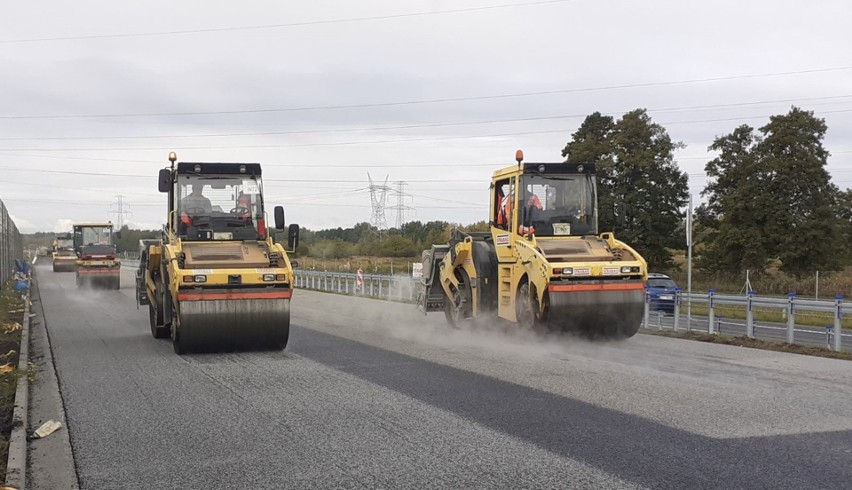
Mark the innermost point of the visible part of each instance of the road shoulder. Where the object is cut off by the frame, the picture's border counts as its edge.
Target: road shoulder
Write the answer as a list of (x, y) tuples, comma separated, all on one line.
[(50, 460)]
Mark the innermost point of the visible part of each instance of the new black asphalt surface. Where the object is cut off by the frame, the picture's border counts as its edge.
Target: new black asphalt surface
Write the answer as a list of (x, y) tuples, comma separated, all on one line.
[(353, 404)]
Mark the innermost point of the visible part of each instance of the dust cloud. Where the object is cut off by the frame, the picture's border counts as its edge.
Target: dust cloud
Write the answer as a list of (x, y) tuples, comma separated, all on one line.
[(404, 322)]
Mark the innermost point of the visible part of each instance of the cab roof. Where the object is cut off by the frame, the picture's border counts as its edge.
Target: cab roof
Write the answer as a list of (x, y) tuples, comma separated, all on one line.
[(189, 168), (77, 225), (538, 168)]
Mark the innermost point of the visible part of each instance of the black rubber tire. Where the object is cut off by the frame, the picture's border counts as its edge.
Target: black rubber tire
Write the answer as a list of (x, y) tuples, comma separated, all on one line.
[(527, 310), (158, 330), (453, 319)]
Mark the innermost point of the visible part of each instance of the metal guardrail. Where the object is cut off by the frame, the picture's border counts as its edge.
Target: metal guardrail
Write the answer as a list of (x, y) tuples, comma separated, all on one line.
[(11, 245), (382, 286), (404, 288), (791, 307)]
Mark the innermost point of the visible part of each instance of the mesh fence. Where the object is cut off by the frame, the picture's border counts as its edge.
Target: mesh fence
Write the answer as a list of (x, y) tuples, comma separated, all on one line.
[(11, 244)]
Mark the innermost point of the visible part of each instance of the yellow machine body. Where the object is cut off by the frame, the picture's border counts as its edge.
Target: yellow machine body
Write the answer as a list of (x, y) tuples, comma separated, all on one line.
[(557, 279), (210, 294)]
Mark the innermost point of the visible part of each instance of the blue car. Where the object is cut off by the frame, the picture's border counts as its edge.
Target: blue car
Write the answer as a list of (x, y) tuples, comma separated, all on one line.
[(661, 293)]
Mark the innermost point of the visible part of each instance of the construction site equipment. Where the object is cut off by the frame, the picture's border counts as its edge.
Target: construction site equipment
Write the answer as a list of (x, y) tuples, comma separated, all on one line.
[(543, 264), (97, 262), (217, 280), (64, 258)]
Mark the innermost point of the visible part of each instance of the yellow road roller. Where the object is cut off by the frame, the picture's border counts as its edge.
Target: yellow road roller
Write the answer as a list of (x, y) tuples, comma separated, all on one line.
[(97, 262), (217, 281), (64, 258), (544, 264)]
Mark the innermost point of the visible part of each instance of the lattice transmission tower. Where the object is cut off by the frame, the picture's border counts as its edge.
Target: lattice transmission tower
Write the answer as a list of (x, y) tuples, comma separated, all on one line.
[(378, 198), (400, 207), (121, 209)]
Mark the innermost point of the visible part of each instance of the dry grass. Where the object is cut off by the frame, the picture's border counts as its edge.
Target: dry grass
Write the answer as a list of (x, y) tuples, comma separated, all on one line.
[(11, 317), (752, 343)]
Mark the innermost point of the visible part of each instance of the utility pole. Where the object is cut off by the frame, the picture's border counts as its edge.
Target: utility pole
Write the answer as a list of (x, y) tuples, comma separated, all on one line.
[(689, 263)]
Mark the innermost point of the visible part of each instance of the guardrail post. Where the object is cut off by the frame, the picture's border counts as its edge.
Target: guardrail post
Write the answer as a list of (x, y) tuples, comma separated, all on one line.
[(647, 308), (838, 322), (750, 315), (676, 309), (711, 302), (380, 288), (829, 336), (791, 318)]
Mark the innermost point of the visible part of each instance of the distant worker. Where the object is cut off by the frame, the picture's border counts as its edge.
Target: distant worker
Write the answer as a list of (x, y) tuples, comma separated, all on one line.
[(196, 201), (504, 215), (243, 209), (533, 200)]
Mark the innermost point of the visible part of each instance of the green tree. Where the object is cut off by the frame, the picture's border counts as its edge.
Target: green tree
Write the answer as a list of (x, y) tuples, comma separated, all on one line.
[(730, 209), (592, 143), (801, 220), (772, 198), (844, 215), (641, 190)]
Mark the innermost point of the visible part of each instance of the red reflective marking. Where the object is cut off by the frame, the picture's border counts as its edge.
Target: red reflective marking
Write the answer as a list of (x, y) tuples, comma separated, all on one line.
[(234, 295), (616, 286)]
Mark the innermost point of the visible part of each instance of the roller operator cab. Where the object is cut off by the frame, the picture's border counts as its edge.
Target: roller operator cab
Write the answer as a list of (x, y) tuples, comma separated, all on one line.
[(217, 280), (64, 258), (97, 263), (544, 264)]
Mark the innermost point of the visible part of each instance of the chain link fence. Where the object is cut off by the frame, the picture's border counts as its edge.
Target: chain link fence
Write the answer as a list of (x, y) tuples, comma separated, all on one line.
[(11, 245)]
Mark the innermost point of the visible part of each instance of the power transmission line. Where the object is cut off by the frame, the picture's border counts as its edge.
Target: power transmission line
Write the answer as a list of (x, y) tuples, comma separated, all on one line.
[(414, 126), (435, 101), (282, 26), (390, 141)]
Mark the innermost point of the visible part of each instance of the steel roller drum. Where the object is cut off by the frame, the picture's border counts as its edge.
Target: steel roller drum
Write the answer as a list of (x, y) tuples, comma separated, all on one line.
[(597, 314), (233, 324)]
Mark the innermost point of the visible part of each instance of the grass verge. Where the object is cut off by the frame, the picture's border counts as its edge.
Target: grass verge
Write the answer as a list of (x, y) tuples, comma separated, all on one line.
[(752, 343), (765, 314), (11, 318)]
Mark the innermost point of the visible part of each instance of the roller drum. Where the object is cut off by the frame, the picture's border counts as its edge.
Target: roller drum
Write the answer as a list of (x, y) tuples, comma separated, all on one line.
[(232, 324), (597, 314)]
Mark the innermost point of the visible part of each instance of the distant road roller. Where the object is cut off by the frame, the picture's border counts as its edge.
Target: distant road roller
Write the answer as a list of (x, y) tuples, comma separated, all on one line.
[(97, 262), (217, 280), (544, 264), (64, 258)]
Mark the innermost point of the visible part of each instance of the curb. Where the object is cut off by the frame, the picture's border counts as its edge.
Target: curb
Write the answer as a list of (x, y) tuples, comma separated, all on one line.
[(16, 466)]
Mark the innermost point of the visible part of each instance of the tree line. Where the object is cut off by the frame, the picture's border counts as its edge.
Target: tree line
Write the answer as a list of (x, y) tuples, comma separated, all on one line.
[(769, 200)]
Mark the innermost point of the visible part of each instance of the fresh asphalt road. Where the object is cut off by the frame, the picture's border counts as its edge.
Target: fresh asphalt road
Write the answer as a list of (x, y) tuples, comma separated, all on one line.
[(372, 394)]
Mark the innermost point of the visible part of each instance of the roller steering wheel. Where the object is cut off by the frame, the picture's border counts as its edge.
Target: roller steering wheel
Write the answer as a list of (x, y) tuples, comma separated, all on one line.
[(241, 211)]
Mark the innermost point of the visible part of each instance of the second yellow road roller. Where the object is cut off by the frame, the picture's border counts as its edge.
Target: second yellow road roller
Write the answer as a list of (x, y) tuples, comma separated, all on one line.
[(217, 281)]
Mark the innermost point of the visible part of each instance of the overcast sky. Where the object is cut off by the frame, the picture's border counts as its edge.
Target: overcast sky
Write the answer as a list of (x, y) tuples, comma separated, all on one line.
[(608, 56)]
